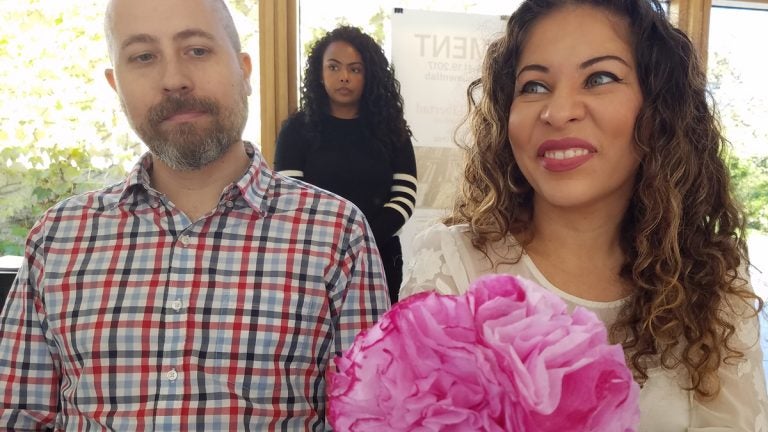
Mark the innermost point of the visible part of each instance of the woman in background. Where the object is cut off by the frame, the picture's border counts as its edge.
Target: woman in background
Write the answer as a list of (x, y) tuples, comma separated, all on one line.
[(595, 169), (350, 138)]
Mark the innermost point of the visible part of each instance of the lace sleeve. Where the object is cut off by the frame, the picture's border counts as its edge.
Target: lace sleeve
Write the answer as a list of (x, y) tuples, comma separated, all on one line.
[(742, 404), (436, 264)]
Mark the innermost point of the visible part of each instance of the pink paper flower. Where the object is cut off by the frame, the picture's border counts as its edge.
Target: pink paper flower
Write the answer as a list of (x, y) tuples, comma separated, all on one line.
[(505, 356)]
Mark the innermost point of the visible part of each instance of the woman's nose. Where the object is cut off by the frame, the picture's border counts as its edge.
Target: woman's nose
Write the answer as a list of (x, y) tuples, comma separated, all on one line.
[(563, 108)]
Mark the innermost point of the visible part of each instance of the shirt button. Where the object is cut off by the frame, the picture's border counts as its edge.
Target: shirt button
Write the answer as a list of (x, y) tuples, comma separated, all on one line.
[(172, 375), (176, 305), (185, 240), (229, 204)]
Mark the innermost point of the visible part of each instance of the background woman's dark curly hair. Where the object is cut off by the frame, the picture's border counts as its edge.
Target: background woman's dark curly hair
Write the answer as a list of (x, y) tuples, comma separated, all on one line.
[(381, 105), (682, 235)]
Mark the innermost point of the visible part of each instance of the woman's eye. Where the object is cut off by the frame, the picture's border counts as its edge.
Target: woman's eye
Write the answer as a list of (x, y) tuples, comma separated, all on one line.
[(532, 87), (332, 67), (600, 78)]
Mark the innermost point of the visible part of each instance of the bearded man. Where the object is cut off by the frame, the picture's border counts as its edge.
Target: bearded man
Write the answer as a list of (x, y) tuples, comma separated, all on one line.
[(205, 291)]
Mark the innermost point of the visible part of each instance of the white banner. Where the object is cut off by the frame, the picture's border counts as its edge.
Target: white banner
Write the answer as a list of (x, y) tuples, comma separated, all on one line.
[(436, 55)]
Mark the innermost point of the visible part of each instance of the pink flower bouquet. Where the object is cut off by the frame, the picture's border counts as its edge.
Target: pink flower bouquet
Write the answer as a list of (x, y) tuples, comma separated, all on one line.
[(505, 356)]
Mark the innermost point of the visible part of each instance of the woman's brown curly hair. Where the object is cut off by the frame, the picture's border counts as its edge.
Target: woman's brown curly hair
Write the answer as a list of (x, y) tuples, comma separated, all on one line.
[(682, 234)]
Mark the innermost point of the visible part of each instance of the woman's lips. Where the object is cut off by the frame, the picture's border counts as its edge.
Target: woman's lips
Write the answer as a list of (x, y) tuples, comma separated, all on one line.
[(565, 154)]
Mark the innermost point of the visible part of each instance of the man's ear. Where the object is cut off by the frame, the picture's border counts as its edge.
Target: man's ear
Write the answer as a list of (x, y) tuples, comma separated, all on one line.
[(109, 74), (247, 68)]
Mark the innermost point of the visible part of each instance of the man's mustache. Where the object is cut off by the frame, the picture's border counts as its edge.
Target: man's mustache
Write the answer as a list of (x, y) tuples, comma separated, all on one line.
[(172, 105)]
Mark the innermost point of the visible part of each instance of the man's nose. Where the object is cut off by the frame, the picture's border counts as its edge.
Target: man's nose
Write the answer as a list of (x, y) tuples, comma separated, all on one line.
[(176, 78)]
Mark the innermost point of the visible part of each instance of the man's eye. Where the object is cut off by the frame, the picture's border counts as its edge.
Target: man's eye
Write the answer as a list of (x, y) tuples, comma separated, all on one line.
[(143, 58), (198, 52)]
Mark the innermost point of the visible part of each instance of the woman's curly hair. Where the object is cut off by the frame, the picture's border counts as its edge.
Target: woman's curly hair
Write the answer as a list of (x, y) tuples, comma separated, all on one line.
[(381, 105), (682, 234)]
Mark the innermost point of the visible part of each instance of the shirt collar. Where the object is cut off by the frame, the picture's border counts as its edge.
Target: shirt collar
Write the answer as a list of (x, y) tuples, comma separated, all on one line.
[(138, 177), (253, 186)]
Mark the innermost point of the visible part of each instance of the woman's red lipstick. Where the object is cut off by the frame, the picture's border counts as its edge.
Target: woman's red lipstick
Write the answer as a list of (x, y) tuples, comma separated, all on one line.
[(565, 154)]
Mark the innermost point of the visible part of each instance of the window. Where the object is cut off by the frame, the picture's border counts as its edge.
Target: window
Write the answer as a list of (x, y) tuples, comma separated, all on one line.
[(736, 72)]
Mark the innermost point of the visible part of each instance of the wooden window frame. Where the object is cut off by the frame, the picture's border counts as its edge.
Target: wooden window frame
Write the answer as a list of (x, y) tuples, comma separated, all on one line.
[(278, 72), (692, 17)]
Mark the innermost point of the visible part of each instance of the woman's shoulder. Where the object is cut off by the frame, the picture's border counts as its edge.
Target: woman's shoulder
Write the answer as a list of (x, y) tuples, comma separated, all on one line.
[(459, 236), (294, 129), (437, 261), (445, 260), (462, 234), (299, 118), (440, 228), (436, 233)]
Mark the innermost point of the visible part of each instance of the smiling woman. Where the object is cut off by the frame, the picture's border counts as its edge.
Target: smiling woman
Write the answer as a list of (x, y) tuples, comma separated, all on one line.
[(595, 168), (597, 89)]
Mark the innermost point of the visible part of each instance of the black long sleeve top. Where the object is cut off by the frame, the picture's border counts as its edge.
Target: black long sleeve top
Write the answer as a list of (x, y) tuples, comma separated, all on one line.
[(345, 161)]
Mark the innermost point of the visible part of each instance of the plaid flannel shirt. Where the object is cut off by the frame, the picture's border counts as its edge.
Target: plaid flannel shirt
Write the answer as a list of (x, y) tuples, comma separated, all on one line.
[(126, 315)]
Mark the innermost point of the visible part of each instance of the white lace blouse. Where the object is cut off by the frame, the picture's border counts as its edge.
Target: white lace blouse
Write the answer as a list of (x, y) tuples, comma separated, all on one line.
[(445, 261)]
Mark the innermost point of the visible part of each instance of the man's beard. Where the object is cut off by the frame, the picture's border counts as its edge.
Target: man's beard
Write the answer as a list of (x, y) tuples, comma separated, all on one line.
[(187, 146)]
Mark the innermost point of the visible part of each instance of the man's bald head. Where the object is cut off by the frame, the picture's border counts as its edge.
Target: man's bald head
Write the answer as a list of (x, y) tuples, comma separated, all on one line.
[(224, 17)]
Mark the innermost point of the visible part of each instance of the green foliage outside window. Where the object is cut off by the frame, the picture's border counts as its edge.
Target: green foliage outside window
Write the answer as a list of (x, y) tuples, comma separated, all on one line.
[(60, 132), (743, 124), (750, 176), (26, 192)]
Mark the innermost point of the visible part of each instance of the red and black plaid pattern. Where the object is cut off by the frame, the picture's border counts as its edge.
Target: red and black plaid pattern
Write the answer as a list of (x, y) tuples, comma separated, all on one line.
[(128, 316)]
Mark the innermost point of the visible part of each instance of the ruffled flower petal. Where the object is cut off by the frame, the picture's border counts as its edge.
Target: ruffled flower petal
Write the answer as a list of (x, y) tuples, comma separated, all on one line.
[(506, 355)]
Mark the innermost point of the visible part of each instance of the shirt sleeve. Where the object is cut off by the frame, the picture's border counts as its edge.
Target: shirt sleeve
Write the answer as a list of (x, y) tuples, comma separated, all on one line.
[(402, 196), (361, 293), (290, 148), (742, 404), (436, 264), (29, 361)]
